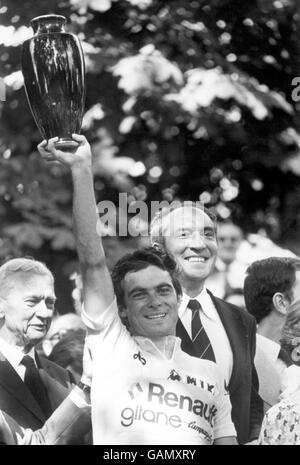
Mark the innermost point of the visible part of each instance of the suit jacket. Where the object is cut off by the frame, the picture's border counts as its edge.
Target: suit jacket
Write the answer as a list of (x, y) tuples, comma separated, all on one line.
[(247, 406), (16, 399), (63, 427)]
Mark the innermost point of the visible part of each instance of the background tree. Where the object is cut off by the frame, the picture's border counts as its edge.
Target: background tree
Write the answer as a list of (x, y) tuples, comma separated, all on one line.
[(188, 99)]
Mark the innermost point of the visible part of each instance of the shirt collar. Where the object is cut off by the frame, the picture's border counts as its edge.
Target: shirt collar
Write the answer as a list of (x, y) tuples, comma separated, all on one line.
[(203, 298), (14, 354), (172, 343)]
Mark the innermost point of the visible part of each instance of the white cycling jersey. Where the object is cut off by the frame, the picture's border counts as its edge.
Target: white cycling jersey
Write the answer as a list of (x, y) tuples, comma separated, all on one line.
[(139, 396)]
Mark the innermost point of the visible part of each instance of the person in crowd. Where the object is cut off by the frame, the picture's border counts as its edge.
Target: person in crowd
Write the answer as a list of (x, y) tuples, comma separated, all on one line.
[(228, 272), (72, 419), (281, 425), (31, 387), (145, 389), (290, 339), (209, 327), (271, 287), (60, 326), (68, 352)]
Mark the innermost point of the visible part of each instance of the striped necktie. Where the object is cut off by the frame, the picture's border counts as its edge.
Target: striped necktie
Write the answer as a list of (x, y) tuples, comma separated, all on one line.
[(200, 339)]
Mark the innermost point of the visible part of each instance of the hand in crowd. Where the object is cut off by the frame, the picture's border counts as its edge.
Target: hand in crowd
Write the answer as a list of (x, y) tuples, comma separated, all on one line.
[(80, 155)]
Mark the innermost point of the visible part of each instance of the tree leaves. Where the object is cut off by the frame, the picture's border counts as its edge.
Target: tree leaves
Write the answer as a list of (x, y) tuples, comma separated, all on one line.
[(176, 92)]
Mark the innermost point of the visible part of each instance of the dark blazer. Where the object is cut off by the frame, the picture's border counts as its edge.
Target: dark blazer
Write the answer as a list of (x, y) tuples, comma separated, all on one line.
[(17, 401), (247, 406)]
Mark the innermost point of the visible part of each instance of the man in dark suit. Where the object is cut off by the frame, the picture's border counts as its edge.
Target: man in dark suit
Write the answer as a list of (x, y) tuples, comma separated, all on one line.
[(31, 387), (209, 327), (69, 421)]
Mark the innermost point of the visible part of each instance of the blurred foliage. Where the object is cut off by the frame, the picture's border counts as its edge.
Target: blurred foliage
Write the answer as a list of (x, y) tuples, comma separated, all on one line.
[(188, 99)]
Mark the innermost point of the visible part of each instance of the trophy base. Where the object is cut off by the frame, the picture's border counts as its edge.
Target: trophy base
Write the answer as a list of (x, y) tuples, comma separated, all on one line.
[(66, 144)]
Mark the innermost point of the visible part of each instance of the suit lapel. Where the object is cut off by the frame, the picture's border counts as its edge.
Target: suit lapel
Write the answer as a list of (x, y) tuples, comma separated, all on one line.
[(236, 333), (11, 382), (186, 342)]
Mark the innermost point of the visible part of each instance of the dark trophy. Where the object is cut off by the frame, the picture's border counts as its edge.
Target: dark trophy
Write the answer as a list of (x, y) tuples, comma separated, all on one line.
[(53, 69)]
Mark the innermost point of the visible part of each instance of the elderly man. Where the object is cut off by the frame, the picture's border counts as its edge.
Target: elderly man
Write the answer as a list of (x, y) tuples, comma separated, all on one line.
[(209, 327), (145, 389), (31, 387)]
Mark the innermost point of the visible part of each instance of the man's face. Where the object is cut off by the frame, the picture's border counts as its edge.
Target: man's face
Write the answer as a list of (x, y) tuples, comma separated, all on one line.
[(189, 237), (27, 310), (151, 304), (229, 240)]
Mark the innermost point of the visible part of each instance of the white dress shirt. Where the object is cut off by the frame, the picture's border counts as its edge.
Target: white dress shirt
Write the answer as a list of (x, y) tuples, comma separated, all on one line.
[(214, 329), (14, 356)]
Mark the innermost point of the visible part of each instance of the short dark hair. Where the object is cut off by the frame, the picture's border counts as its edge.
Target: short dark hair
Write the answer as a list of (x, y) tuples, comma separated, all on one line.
[(139, 260), (266, 277)]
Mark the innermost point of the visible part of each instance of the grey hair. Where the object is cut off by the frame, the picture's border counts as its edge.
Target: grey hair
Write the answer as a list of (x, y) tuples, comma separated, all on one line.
[(156, 226), (28, 266)]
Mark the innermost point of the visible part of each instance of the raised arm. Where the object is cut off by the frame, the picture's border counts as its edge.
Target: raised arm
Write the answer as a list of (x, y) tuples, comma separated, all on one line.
[(98, 290)]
